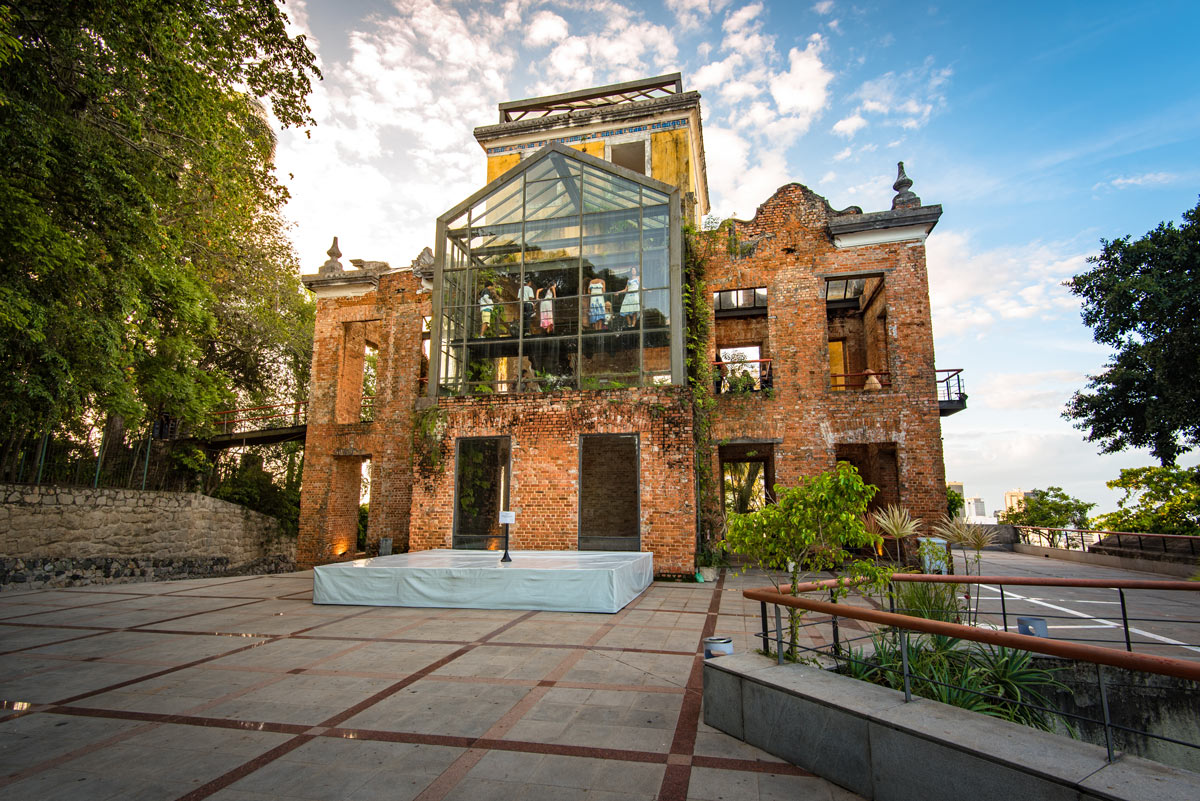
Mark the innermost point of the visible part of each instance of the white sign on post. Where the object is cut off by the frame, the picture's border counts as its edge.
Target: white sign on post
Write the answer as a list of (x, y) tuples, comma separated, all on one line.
[(507, 517)]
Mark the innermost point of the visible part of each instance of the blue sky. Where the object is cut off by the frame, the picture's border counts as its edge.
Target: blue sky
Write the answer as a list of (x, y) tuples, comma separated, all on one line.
[(1040, 128)]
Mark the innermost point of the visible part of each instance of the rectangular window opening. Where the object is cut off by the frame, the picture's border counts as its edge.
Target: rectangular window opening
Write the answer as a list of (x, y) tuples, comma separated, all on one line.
[(856, 329), (631, 156), (609, 508), (481, 478), (750, 302)]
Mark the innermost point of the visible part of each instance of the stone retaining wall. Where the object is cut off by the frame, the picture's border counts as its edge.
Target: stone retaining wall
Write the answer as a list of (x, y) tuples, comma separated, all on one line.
[(65, 536)]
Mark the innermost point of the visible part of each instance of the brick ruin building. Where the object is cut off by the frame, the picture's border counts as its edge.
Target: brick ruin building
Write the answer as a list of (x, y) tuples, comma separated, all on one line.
[(538, 360)]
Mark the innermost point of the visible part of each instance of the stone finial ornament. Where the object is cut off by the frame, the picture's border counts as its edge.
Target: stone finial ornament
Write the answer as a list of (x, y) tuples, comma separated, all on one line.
[(332, 265), (422, 265), (904, 199)]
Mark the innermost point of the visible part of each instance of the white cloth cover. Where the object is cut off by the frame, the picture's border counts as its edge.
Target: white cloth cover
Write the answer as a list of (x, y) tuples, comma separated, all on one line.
[(557, 581)]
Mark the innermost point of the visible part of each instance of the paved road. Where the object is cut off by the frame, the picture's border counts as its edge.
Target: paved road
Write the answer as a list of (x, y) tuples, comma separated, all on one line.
[(1161, 622)]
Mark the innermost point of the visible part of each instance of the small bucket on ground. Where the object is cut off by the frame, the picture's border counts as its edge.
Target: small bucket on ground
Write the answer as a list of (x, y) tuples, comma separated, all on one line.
[(717, 646), (1033, 626)]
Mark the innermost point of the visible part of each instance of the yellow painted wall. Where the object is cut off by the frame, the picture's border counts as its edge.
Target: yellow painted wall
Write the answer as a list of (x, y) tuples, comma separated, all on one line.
[(498, 165), (593, 147), (671, 159)]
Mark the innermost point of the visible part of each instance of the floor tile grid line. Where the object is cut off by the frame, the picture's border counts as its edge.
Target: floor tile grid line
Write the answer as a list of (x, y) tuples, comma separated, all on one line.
[(97, 631), (677, 777), (157, 674), (448, 779), (226, 779), (54, 642), (83, 750), (232, 580), (51, 607), (246, 768)]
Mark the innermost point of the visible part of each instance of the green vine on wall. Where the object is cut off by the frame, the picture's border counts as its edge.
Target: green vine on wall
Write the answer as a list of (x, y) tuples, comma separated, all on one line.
[(429, 426), (698, 247)]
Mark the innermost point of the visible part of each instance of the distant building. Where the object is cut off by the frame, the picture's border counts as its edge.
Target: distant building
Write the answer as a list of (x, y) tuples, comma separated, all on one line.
[(973, 507), (1015, 499)]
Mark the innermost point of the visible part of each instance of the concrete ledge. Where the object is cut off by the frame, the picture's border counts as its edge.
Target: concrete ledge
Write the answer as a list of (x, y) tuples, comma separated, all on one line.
[(867, 739), (1107, 560)]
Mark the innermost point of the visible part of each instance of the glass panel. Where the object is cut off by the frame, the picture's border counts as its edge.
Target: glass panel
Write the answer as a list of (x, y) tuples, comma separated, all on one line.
[(651, 197), (656, 308), (760, 297), (608, 493), (553, 166), (550, 199), (551, 239), (480, 492), (603, 191), (609, 360), (552, 361)]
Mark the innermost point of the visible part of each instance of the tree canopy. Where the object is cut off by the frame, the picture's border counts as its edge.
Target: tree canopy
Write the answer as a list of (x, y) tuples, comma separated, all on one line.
[(1158, 500), (145, 266), (1142, 298), (1049, 508)]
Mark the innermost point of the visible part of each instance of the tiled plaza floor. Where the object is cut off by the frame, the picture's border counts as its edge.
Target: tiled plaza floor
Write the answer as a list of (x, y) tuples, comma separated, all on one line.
[(243, 689)]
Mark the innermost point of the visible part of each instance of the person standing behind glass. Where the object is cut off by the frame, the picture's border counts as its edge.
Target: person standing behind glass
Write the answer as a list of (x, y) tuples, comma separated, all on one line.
[(631, 304), (528, 314), (596, 288), (546, 307), (487, 301)]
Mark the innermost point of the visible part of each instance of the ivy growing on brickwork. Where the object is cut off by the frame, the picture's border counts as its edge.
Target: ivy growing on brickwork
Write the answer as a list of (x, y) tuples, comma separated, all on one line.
[(699, 246), (429, 426)]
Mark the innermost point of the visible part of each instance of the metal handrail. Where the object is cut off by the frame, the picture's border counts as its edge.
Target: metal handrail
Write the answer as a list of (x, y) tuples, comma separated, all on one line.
[(884, 378), (1149, 663), (1088, 537)]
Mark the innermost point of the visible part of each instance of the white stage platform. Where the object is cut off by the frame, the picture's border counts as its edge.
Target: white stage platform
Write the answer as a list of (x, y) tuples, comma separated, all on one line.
[(558, 581)]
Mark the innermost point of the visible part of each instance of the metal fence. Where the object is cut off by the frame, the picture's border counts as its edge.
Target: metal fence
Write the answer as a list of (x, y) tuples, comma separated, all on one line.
[(130, 461), (1082, 539), (990, 630)]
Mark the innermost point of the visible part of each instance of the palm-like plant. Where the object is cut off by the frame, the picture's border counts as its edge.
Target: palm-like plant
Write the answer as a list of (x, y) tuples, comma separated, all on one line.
[(968, 535), (895, 521)]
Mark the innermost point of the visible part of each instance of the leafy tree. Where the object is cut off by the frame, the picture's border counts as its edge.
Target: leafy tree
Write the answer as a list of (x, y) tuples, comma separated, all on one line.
[(810, 528), (1142, 298), (1158, 500), (954, 502), (1049, 508), (145, 266)]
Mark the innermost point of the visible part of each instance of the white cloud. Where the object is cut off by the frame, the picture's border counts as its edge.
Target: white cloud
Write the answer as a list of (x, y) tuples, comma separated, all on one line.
[(1039, 389), (823, 7), (803, 91), (842, 155), (848, 127), (971, 290), (828, 177), (908, 99), (690, 13), (545, 28), (1145, 179)]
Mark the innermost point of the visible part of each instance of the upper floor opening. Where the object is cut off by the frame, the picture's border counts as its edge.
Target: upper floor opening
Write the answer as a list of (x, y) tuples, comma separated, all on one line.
[(649, 126)]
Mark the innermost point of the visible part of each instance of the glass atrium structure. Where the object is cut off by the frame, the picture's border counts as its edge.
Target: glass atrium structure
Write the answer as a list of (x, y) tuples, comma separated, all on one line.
[(563, 273)]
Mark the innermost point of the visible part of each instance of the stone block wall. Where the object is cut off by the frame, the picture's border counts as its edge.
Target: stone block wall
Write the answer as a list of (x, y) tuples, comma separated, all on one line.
[(59, 536)]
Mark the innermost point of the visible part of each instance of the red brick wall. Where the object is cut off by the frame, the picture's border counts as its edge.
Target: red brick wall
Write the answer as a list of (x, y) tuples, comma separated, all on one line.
[(805, 419), (545, 434), (334, 430)]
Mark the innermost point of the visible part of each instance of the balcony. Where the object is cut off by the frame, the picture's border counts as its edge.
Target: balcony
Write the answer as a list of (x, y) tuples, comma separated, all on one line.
[(952, 399)]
